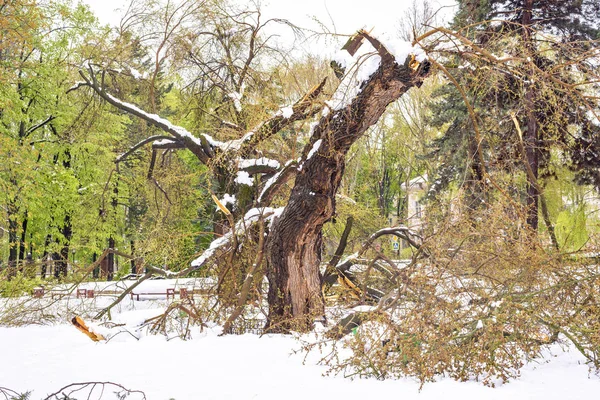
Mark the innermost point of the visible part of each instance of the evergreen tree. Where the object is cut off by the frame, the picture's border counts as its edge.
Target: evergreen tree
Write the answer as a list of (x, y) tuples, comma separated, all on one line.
[(547, 41)]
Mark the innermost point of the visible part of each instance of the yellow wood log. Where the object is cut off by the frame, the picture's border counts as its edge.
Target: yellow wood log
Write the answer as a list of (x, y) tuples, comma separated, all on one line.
[(350, 286), (79, 324), (220, 205)]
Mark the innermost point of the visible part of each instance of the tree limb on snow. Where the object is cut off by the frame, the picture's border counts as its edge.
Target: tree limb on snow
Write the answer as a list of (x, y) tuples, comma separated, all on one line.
[(401, 232), (239, 308), (106, 310)]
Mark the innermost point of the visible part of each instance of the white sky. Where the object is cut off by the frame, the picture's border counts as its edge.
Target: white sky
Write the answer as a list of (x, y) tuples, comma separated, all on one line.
[(343, 16)]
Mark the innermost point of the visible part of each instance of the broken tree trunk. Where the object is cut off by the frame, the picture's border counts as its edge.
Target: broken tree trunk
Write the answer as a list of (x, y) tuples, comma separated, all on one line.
[(294, 244)]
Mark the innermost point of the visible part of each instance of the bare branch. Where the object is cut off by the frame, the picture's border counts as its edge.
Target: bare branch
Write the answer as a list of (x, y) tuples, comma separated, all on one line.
[(191, 142), (249, 279), (274, 183), (38, 126), (140, 144)]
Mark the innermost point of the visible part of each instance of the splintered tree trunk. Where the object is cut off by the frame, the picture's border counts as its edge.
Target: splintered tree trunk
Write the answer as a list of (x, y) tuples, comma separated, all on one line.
[(294, 244)]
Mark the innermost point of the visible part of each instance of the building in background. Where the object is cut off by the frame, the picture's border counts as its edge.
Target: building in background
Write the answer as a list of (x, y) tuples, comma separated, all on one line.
[(415, 190)]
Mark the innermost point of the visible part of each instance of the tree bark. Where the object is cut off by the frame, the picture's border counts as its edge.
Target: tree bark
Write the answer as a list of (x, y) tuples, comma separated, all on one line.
[(294, 244), (45, 256), (133, 260), (531, 136), (110, 260), (22, 254), (67, 232), (13, 240)]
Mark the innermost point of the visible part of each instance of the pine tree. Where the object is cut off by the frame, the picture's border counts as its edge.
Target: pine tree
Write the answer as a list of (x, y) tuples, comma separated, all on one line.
[(547, 40)]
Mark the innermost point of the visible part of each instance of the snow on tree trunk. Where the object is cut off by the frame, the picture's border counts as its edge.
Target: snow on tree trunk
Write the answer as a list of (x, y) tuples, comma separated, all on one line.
[(294, 244)]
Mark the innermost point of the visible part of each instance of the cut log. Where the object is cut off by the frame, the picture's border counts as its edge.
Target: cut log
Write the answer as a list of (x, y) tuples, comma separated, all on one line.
[(79, 324)]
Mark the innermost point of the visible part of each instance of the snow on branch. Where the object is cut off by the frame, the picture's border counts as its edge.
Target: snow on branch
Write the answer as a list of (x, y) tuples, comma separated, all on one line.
[(241, 226), (274, 183), (260, 165), (191, 142), (204, 146), (304, 108), (142, 143), (262, 161), (362, 66)]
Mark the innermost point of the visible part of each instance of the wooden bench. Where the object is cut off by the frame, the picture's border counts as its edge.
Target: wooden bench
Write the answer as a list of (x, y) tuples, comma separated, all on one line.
[(85, 293), (60, 295), (169, 293), (184, 293), (79, 293)]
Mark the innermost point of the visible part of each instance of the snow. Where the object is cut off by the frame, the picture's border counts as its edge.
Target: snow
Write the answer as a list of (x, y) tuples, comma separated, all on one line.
[(285, 112), (343, 58), (136, 74), (351, 257), (402, 49), (313, 125), (179, 131), (231, 144), (45, 358), (206, 254), (495, 304), (364, 64), (364, 308), (228, 199), (76, 85), (272, 180), (350, 86), (243, 178), (163, 142), (594, 117), (314, 149), (251, 215), (212, 141), (237, 100), (262, 161)]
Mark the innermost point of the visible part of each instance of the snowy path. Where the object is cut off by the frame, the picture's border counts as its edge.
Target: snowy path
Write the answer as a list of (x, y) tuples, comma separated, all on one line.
[(44, 359)]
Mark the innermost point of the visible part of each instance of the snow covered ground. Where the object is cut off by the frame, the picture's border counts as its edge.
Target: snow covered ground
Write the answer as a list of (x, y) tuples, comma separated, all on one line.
[(45, 358)]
